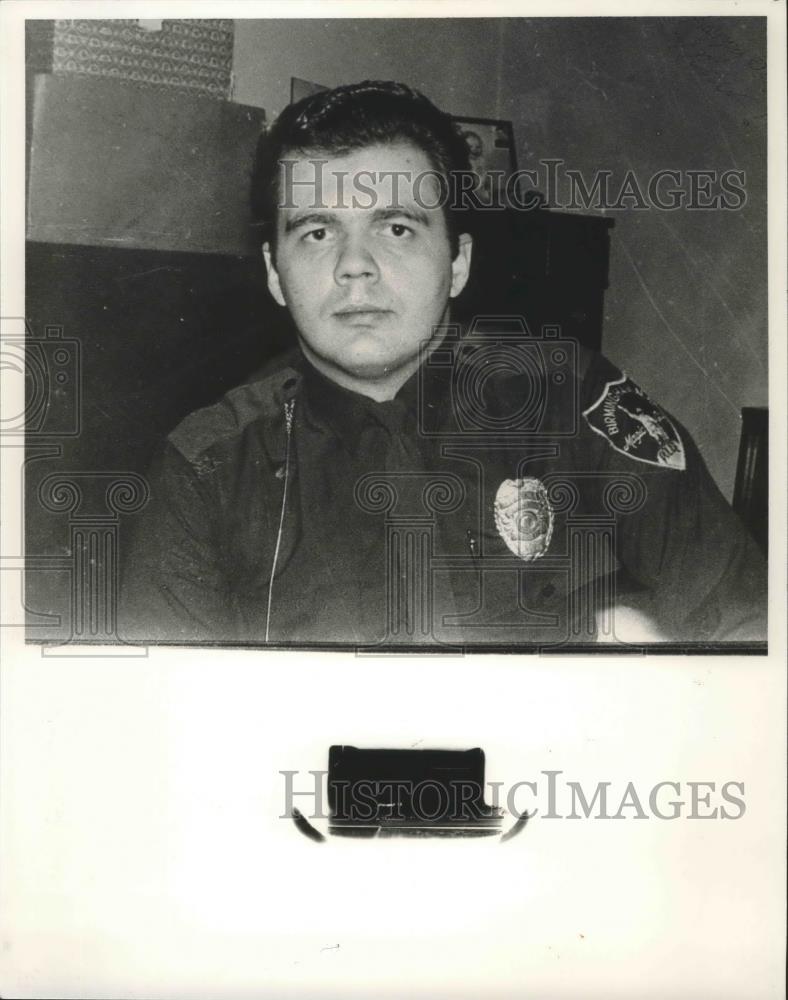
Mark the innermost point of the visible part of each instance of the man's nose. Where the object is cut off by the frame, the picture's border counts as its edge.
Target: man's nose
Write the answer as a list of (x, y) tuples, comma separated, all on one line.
[(355, 261)]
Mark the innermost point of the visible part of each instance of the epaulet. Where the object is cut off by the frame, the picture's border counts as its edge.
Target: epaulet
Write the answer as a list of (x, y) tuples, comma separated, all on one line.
[(618, 410), (259, 400)]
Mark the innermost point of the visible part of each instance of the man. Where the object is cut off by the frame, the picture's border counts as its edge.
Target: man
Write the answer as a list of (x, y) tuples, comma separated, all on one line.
[(393, 482)]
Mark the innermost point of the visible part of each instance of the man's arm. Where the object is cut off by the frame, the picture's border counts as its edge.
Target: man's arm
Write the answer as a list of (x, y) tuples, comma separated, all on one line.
[(175, 585), (696, 571), (705, 576)]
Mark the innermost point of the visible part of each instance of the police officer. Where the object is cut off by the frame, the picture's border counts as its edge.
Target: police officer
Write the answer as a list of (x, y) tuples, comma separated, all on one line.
[(394, 480)]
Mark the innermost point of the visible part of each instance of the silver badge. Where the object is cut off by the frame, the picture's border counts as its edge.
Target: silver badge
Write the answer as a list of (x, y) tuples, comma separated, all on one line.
[(524, 517)]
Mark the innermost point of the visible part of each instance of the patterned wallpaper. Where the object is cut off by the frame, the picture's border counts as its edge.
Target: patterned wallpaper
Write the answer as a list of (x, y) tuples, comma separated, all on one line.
[(193, 56)]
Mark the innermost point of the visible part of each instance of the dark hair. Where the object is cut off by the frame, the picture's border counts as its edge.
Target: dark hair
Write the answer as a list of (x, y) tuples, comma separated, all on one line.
[(348, 118)]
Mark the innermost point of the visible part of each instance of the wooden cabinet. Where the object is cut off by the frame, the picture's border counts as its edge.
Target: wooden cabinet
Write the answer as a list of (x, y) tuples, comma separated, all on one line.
[(550, 267)]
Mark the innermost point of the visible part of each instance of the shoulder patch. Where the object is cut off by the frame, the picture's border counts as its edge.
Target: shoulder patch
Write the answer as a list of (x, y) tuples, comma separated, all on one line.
[(634, 426)]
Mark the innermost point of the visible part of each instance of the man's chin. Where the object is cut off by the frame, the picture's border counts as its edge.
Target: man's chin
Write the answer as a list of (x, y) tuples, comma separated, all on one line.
[(371, 357), (369, 360), (373, 369)]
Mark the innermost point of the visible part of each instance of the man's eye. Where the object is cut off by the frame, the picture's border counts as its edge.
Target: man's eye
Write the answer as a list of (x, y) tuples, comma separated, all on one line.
[(399, 229), (316, 235)]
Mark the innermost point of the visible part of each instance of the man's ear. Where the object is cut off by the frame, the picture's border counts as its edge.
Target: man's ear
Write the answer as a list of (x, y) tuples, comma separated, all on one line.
[(461, 265), (274, 286)]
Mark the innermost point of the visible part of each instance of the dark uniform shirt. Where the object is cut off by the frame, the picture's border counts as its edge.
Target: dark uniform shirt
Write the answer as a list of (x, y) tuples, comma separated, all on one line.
[(296, 511)]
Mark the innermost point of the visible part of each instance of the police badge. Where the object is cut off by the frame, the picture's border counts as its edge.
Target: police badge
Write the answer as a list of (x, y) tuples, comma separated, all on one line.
[(631, 424), (524, 517)]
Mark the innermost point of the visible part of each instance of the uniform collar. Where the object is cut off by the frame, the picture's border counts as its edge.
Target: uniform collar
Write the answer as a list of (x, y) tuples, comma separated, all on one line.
[(349, 413)]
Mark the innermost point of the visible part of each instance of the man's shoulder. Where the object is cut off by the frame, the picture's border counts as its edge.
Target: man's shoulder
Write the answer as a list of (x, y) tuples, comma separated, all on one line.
[(598, 407), (260, 401), (593, 372)]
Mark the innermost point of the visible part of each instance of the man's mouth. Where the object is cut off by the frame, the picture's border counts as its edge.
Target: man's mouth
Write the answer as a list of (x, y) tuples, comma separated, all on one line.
[(361, 314)]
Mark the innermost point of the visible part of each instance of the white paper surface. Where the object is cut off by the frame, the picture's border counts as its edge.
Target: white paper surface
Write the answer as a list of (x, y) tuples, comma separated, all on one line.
[(143, 854)]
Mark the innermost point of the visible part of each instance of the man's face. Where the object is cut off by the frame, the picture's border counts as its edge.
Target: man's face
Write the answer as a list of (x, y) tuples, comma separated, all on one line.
[(366, 281)]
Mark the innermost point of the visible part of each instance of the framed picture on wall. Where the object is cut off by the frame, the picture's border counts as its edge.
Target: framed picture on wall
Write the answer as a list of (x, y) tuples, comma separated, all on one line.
[(303, 88), (491, 147)]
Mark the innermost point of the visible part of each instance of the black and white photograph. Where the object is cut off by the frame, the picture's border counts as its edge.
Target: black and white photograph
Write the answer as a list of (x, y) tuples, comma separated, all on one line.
[(535, 419), (393, 444)]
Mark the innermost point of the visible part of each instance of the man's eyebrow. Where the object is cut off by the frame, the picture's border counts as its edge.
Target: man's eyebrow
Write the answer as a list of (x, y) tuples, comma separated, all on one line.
[(309, 219), (411, 212)]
